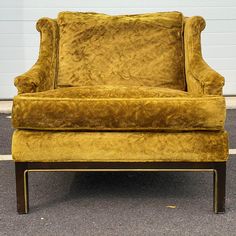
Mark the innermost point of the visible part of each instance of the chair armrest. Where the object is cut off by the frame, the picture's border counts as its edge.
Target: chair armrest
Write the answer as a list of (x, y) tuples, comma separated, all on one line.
[(42, 76), (31, 81), (200, 77)]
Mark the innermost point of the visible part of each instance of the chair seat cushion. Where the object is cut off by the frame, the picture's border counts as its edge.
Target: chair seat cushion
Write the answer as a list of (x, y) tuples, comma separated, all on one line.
[(117, 108)]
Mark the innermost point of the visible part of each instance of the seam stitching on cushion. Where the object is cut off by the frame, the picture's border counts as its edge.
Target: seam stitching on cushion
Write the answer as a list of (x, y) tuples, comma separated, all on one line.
[(205, 98)]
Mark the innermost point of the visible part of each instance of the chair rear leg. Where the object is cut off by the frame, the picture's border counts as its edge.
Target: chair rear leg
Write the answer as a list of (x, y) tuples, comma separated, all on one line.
[(22, 187), (219, 178)]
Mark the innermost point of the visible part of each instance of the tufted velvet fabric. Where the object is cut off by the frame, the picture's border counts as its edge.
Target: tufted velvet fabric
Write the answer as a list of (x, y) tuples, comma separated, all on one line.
[(118, 108), (98, 49)]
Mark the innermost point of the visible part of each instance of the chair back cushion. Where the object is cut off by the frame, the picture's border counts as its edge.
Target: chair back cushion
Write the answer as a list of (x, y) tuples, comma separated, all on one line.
[(99, 49)]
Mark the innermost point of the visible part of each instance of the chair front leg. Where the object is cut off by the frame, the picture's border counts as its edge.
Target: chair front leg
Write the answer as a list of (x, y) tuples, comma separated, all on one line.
[(219, 179), (22, 196)]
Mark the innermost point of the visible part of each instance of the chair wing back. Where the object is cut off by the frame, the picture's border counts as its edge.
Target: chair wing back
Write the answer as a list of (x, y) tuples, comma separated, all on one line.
[(98, 49)]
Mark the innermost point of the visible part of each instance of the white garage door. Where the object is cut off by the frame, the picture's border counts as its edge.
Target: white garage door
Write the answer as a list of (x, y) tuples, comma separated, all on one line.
[(19, 39)]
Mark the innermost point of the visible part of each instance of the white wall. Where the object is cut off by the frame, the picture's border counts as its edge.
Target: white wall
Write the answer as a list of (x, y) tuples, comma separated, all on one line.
[(19, 39)]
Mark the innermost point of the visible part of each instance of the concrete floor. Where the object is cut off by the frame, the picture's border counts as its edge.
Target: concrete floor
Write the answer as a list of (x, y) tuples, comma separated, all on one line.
[(64, 204)]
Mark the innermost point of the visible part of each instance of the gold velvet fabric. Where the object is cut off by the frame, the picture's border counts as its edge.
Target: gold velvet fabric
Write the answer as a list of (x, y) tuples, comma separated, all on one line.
[(200, 77), (42, 76), (142, 73), (98, 49), (118, 108), (49, 146)]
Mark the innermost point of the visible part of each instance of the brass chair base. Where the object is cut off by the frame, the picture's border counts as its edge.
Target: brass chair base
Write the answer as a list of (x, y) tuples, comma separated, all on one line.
[(23, 168)]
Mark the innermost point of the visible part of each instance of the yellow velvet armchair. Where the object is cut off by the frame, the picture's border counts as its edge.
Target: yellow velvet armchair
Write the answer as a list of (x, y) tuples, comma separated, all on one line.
[(120, 93)]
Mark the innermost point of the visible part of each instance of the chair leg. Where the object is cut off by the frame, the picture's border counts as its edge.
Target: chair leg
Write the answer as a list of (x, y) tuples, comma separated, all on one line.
[(22, 187), (219, 187)]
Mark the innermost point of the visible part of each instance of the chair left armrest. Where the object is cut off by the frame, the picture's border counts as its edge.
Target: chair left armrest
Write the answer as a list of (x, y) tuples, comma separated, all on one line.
[(200, 77)]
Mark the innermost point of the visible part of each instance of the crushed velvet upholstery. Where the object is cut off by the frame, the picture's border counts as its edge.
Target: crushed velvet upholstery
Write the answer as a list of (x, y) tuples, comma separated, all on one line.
[(120, 73), (200, 77), (42, 76), (119, 146), (122, 108), (98, 49)]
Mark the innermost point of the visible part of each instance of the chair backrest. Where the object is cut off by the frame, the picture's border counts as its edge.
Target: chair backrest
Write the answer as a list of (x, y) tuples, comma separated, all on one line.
[(99, 49)]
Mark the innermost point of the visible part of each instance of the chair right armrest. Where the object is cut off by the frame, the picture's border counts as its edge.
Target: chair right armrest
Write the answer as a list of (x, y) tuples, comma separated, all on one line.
[(42, 76)]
